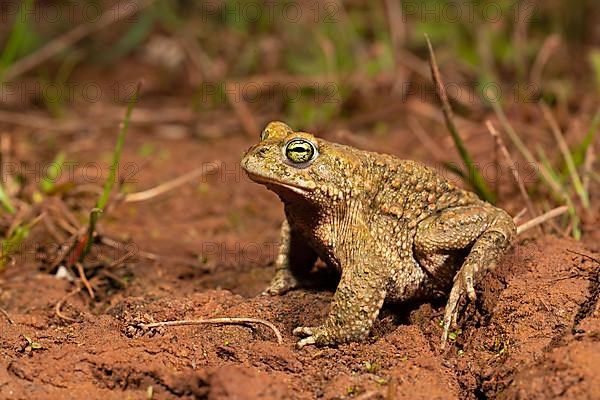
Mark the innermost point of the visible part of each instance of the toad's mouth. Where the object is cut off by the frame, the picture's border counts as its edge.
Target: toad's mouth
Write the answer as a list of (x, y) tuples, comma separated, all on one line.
[(274, 184)]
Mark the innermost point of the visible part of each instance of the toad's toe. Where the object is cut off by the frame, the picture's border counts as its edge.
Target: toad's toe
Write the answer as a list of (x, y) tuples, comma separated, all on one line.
[(303, 331)]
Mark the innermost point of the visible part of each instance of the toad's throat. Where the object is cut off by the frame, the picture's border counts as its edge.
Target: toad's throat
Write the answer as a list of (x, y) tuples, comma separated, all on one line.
[(275, 185)]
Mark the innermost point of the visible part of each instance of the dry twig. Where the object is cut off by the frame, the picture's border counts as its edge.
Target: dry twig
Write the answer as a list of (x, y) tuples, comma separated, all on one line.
[(53, 230), (231, 321), (541, 219), (172, 184), (519, 215)]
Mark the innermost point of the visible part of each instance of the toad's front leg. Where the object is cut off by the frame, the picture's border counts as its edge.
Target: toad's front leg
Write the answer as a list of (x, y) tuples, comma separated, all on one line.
[(294, 261), (355, 306)]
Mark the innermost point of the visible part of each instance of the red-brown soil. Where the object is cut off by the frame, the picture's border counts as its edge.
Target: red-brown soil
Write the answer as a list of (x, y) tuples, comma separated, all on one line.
[(533, 333)]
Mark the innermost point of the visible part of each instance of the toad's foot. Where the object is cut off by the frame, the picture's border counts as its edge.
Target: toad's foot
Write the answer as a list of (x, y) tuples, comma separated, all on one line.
[(463, 284), (487, 231), (313, 335), (486, 250), (282, 282), (326, 335)]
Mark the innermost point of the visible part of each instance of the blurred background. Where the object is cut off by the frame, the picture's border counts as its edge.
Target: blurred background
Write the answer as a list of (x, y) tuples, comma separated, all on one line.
[(314, 64)]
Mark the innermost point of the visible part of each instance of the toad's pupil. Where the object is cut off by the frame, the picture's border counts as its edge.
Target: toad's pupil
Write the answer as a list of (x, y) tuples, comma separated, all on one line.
[(299, 151)]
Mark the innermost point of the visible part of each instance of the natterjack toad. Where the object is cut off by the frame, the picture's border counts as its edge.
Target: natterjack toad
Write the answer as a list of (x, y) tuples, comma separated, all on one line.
[(395, 229)]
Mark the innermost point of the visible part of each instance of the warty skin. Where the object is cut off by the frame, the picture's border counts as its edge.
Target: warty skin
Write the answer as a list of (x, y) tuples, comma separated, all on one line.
[(395, 229)]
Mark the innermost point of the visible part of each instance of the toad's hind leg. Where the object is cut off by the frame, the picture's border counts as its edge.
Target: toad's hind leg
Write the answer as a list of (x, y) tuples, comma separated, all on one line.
[(484, 231), (294, 260)]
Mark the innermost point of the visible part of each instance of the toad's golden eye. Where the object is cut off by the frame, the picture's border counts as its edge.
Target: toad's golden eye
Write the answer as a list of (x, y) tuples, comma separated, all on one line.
[(300, 151)]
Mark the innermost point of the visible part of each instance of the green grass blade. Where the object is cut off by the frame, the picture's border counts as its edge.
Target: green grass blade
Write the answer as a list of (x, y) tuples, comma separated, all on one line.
[(594, 57), (474, 177), (544, 169), (552, 173), (131, 40), (566, 153), (17, 37), (5, 200), (559, 192), (455, 169), (11, 244), (581, 150), (110, 181), (49, 182), (512, 134)]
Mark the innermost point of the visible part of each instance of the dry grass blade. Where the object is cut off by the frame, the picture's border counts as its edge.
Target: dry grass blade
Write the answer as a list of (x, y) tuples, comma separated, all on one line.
[(226, 321), (397, 34), (548, 48), (472, 172), (242, 111), (58, 306), (506, 125), (115, 244), (396, 24), (67, 248), (53, 230), (513, 168), (3, 312), (544, 170), (541, 219), (423, 136), (120, 281), (122, 259), (172, 184), (597, 261), (564, 149), (84, 280), (119, 12)]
